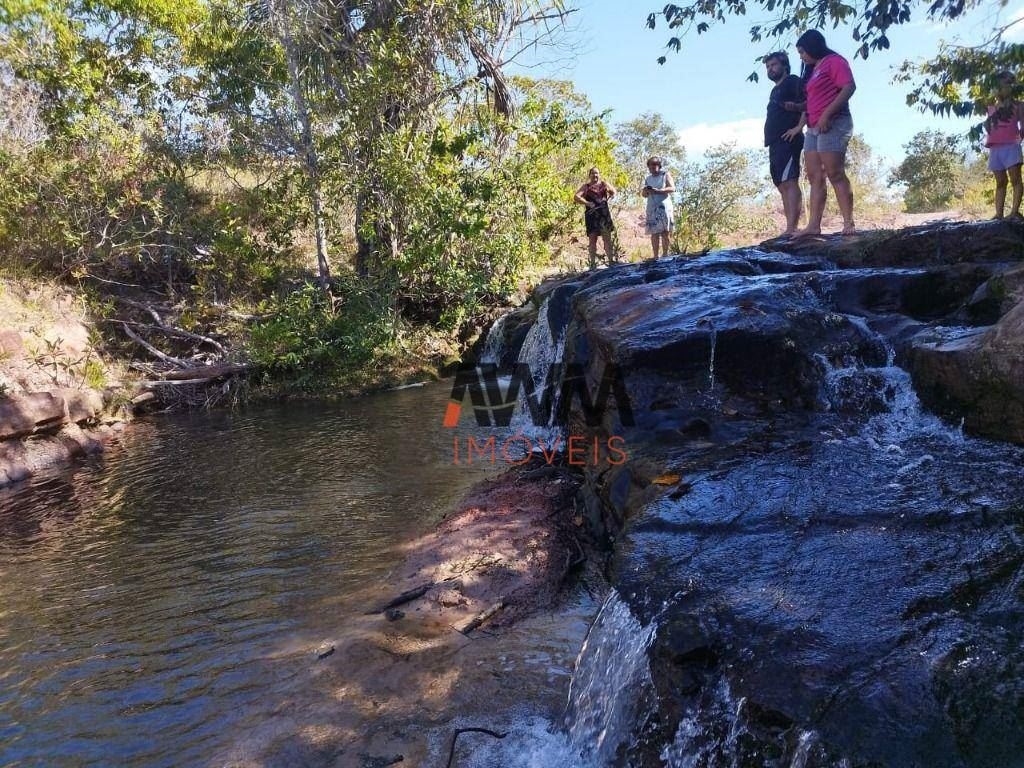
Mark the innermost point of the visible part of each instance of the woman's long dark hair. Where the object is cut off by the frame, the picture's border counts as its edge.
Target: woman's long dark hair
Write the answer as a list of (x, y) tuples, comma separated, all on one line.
[(813, 42)]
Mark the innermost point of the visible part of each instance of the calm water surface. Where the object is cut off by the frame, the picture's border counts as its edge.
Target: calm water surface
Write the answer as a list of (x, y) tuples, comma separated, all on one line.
[(151, 603)]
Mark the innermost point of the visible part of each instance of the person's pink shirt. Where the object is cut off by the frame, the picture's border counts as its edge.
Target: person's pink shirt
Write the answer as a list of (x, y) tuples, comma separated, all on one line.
[(831, 74), (1005, 131)]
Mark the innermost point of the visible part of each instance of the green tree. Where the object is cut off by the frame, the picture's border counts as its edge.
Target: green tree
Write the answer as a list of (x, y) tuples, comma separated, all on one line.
[(932, 172), (958, 80), (646, 135), (867, 174), (709, 197), (88, 55)]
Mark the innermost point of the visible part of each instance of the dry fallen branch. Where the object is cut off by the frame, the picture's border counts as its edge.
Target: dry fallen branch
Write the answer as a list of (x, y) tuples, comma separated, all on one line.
[(172, 383), (406, 597), (481, 617), (170, 330), (458, 731), (175, 361)]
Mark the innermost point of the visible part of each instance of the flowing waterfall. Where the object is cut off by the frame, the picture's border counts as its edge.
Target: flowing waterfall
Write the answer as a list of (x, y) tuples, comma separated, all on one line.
[(542, 348), (493, 343), (610, 696), (610, 692), (887, 389), (711, 362)]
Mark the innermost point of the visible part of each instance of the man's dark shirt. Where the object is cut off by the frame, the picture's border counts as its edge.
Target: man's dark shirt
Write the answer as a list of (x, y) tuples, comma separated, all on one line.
[(780, 120)]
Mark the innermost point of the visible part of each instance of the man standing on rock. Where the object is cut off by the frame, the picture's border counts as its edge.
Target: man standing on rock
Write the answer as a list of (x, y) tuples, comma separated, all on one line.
[(781, 136)]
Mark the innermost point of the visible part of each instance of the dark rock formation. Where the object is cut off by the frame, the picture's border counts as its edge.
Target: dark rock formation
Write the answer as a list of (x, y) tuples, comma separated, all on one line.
[(925, 245), (835, 573), (976, 374)]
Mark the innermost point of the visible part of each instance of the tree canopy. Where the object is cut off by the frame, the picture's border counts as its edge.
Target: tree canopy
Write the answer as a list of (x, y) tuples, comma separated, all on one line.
[(957, 80), (646, 135), (932, 171)]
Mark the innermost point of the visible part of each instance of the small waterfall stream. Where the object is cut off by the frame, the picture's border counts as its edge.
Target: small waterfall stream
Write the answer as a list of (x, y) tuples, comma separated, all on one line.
[(887, 391), (495, 340), (610, 693), (610, 688), (542, 351)]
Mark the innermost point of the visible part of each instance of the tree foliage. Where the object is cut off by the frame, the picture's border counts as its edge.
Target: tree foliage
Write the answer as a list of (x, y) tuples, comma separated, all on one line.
[(958, 80), (89, 55), (709, 194), (868, 176), (212, 148), (932, 172), (646, 135)]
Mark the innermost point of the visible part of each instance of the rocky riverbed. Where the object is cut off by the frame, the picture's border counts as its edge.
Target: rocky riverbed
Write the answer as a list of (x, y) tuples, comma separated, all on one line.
[(831, 573), (814, 546)]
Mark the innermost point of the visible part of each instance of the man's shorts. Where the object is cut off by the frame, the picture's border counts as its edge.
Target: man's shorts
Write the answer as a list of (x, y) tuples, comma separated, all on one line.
[(840, 131), (1003, 156), (784, 159)]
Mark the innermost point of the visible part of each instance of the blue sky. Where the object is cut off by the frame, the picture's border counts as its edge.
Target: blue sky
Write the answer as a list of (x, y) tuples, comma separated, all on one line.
[(703, 89)]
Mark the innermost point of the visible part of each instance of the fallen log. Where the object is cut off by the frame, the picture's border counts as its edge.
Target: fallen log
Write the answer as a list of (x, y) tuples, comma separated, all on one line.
[(481, 617), (145, 397), (214, 371), (407, 596), (172, 382)]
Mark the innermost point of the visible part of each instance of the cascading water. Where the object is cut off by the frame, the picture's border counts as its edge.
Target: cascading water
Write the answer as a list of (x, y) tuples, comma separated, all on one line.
[(611, 685), (711, 362), (542, 349), (886, 390), (842, 506), (611, 692), (692, 748), (494, 342)]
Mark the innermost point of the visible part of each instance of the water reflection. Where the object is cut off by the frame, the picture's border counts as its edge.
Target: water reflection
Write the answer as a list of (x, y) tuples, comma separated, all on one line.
[(149, 600)]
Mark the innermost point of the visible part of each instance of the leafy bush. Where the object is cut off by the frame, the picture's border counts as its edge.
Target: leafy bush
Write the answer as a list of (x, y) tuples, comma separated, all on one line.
[(932, 172), (483, 198), (312, 339), (709, 196)]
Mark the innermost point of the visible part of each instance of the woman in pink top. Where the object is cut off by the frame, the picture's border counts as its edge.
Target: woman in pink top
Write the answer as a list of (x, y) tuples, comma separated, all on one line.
[(1003, 128), (829, 84)]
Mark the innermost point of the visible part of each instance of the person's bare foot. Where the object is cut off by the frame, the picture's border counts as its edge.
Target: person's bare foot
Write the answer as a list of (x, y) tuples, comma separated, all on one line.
[(849, 229), (808, 232)]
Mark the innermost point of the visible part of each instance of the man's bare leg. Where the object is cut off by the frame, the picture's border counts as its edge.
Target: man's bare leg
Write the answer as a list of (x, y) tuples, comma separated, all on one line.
[(655, 242), (835, 169), (792, 204), (816, 177), (665, 236)]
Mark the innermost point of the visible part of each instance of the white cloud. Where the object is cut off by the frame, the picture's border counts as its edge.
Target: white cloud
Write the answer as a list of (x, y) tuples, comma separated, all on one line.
[(1016, 32), (745, 134)]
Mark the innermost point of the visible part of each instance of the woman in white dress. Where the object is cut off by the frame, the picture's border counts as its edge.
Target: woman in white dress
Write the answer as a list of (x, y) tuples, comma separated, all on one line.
[(658, 189)]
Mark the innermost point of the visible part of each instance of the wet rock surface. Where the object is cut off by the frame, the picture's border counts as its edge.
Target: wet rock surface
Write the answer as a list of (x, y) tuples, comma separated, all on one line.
[(835, 574)]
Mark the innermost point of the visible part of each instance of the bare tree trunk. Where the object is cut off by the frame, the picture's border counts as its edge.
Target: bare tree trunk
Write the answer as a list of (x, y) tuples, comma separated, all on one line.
[(307, 148), (364, 251)]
